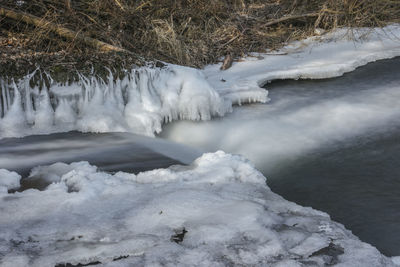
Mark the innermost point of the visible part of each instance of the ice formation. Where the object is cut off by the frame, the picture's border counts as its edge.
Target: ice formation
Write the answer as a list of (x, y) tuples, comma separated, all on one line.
[(326, 56), (140, 102), (216, 212)]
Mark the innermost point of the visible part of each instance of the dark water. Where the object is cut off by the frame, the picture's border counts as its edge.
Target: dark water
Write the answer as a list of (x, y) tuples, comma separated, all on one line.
[(357, 180), (357, 184)]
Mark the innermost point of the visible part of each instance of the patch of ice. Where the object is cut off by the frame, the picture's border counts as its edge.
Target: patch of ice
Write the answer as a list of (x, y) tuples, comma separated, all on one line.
[(8, 180), (229, 215), (319, 57)]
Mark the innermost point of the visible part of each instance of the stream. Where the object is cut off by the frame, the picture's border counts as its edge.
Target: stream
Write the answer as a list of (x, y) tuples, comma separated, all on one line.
[(331, 144)]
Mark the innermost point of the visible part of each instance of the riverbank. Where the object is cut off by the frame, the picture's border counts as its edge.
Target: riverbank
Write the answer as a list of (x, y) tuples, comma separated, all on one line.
[(51, 34), (141, 100)]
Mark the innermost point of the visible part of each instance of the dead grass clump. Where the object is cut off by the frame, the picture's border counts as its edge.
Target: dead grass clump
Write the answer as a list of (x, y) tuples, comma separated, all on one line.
[(188, 32)]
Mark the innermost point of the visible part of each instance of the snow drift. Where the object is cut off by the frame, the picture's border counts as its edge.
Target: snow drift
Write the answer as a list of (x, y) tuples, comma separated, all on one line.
[(216, 212)]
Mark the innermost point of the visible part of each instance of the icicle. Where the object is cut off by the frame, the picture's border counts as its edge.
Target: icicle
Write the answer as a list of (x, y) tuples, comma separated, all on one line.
[(149, 101), (44, 116), (139, 102), (3, 103), (118, 94), (86, 93), (14, 120), (5, 92), (110, 87), (30, 116), (64, 113)]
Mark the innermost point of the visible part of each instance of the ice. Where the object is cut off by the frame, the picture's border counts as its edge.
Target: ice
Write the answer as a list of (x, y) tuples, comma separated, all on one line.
[(140, 103), (218, 210), (396, 260), (319, 57), (8, 180), (44, 116), (14, 119)]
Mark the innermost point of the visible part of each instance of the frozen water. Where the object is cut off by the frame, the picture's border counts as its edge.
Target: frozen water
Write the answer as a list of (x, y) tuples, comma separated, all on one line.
[(140, 103), (216, 212)]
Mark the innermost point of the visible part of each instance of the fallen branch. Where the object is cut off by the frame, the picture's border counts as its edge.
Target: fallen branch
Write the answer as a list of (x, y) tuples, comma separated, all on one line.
[(291, 17), (61, 31)]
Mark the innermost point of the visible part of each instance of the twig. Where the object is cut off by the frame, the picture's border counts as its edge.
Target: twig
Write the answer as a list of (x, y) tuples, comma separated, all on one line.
[(290, 17), (119, 4)]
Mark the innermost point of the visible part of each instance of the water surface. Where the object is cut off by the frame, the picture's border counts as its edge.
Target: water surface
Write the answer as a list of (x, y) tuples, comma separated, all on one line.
[(330, 144), (109, 151)]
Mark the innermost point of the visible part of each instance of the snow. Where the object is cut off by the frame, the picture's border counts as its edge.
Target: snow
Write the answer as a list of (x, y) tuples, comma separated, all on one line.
[(221, 200), (319, 57), (8, 180)]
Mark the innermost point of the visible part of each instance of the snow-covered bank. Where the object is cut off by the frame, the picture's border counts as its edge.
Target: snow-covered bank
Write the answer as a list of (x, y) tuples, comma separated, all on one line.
[(146, 98), (230, 215), (326, 56)]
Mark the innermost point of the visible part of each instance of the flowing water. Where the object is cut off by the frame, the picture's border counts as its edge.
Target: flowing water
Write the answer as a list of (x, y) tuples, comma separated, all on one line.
[(109, 151), (330, 144)]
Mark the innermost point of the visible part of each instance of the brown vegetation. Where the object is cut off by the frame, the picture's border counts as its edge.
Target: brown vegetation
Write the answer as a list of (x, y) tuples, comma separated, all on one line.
[(187, 32)]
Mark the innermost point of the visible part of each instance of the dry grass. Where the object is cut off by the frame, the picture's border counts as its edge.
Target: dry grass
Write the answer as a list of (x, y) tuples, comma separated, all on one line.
[(189, 32)]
